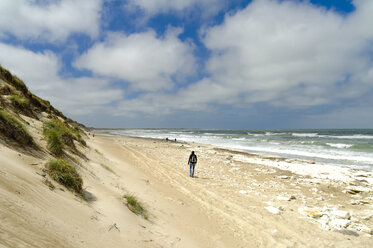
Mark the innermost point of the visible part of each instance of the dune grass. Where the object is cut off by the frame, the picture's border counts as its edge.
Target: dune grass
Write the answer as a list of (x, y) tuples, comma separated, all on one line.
[(54, 141), (19, 100), (63, 172), (13, 129), (136, 206), (98, 152), (60, 135), (107, 168)]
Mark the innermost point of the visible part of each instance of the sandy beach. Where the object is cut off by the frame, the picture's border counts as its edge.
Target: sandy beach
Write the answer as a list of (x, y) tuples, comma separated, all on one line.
[(235, 199)]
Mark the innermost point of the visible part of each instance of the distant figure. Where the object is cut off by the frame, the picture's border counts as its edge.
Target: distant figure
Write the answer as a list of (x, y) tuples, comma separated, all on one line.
[(192, 163), (166, 139), (175, 140)]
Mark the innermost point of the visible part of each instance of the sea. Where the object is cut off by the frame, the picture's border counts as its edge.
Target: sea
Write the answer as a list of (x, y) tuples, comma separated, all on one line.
[(351, 148)]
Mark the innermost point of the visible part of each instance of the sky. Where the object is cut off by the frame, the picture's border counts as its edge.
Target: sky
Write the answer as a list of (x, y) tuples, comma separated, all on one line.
[(233, 64)]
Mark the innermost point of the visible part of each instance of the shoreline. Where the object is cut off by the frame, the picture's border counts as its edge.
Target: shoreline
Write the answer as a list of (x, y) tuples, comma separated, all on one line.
[(324, 148), (277, 186), (235, 200), (299, 166)]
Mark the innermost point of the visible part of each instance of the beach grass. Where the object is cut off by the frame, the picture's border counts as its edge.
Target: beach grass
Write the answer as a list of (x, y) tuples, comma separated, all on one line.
[(107, 168), (136, 206), (13, 129), (19, 100), (63, 172), (54, 141), (59, 135)]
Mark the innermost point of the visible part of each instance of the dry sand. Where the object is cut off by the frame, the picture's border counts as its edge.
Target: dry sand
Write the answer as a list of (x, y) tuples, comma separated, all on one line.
[(232, 202)]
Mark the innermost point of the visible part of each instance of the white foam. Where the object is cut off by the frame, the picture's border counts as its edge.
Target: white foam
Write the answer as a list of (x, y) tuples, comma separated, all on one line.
[(305, 134), (271, 133), (309, 154), (339, 145)]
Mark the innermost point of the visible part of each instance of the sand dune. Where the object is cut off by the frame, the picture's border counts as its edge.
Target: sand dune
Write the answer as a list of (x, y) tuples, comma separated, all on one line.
[(230, 203)]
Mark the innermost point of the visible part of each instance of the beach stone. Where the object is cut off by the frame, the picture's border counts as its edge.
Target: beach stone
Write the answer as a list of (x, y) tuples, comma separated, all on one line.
[(367, 217), (339, 223), (242, 192), (340, 214), (283, 198), (365, 229), (357, 189), (284, 177), (325, 225), (313, 212), (272, 210), (358, 202)]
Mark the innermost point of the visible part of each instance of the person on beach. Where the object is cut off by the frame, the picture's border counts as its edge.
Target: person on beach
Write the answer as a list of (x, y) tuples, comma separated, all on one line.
[(192, 163)]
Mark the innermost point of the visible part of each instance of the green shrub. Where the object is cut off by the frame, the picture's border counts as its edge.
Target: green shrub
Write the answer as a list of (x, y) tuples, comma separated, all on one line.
[(63, 172), (135, 206)]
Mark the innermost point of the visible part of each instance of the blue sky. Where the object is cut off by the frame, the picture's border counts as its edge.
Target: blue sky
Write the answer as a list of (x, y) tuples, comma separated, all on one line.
[(196, 64)]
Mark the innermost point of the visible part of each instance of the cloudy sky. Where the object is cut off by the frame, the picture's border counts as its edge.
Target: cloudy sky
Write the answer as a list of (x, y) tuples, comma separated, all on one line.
[(196, 63)]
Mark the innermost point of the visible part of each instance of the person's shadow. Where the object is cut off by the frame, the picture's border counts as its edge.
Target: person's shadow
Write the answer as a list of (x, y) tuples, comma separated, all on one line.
[(204, 178)]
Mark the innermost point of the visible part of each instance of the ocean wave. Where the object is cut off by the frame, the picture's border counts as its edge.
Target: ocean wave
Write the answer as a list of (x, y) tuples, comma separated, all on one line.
[(255, 134), (305, 134), (355, 136), (271, 133), (346, 156), (339, 145), (362, 147)]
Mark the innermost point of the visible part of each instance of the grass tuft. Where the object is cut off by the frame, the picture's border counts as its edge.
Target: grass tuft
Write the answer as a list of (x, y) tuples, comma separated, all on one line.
[(20, 101), (12, 129), (63, 172), (107, 168), (59, 135), (54, 141), (136, 206)]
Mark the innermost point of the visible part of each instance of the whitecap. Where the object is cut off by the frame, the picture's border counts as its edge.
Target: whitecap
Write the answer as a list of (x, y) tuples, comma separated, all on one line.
[(339, 145)]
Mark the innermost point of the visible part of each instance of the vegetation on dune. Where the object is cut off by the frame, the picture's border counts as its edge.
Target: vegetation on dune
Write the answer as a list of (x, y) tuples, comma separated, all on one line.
[(54, 141), (63, 172), (107, 168), (5, 89), (13, 80), (12, 85), (19, 100), (59, 134), (13, 130), (136, 206)]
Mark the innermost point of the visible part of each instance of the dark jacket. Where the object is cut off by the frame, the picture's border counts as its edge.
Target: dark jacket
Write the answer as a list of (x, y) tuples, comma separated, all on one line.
[(193, 155)]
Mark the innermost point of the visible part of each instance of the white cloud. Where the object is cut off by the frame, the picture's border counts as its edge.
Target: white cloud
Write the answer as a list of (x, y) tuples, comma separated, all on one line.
[(49, 20), (285, 53), (146, 61), (154, 7), (78, 96), (289, 53)]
